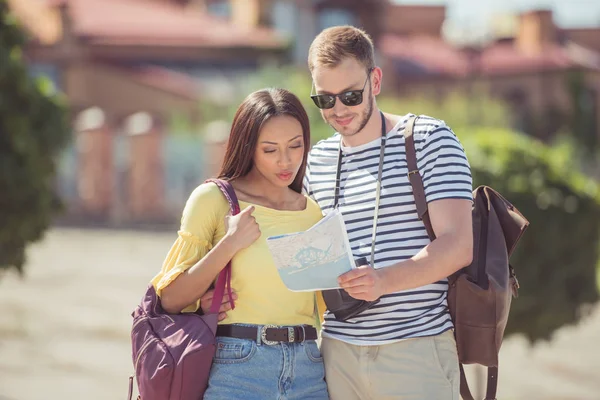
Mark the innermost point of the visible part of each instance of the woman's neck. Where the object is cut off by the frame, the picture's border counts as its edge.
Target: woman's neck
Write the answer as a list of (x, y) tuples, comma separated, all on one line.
[(256, 188)]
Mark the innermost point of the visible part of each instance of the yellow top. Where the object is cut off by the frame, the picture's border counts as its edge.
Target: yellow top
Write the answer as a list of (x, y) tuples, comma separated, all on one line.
[(262, 296)]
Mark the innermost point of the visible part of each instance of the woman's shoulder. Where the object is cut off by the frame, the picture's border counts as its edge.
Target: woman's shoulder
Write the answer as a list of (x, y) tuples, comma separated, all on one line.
[(206, 196)]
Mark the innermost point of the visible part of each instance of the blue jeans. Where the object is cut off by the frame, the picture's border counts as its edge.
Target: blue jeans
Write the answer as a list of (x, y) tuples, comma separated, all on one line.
[(243, 369)]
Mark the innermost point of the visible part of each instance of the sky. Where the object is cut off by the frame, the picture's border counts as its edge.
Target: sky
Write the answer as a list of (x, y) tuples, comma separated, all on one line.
[(474, 15)]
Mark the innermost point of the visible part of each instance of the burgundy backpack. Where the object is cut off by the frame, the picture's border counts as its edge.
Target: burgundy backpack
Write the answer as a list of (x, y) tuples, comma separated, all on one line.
[(173, 353)]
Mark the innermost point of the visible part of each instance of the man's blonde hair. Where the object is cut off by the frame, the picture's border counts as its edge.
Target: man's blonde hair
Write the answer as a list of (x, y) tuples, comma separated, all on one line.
[(335, 44)]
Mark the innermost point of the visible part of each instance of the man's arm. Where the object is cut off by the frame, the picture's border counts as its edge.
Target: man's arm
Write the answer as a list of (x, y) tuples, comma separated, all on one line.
[(451, 250)]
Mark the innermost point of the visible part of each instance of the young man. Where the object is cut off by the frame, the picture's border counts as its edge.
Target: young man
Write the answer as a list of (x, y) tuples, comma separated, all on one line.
[(403, 347)]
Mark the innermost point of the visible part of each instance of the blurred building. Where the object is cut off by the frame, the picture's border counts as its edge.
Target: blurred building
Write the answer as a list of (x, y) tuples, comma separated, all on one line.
[(300, 21), (128, 68), (547, 74), (147, 51), (544, 72)]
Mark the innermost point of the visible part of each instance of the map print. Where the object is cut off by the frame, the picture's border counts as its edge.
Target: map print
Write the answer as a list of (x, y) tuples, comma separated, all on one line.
[(312, 260)]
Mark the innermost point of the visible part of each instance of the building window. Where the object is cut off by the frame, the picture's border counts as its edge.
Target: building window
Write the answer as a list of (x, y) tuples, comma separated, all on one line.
[(220, 8), (329, 17), (587, 116), (284, 18), (49, 71), (517, 100)]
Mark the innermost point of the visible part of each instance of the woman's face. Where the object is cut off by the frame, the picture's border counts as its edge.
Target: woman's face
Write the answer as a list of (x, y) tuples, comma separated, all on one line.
[(280, 150)]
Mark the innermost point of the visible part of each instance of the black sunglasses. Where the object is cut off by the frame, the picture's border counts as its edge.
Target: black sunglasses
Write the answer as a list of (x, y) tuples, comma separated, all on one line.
[(350, 98)]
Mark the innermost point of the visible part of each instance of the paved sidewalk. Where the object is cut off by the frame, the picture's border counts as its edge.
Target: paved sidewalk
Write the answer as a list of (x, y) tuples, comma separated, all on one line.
[(64, 330)]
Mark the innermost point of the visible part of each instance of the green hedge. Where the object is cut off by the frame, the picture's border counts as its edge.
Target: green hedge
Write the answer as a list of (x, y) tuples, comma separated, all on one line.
[(556, 260)]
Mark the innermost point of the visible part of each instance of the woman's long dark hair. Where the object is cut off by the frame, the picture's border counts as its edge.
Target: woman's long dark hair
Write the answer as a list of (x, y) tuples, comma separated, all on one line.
[(250, 117)]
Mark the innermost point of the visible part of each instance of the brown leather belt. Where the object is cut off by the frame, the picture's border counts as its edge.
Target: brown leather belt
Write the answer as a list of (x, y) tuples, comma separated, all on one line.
[(269, 334)]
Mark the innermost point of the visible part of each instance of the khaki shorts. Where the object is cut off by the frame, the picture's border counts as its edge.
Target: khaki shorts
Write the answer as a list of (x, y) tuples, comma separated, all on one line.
[(417, 369)]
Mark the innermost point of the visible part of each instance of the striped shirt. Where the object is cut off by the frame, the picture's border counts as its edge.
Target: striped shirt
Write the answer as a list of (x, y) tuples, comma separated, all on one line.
[(400, 234)]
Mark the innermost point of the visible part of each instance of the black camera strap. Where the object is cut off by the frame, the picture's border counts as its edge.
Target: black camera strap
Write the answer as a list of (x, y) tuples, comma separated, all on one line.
[(378, 189)]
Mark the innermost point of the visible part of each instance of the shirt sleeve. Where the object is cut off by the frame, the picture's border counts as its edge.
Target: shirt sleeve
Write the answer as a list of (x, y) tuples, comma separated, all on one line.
[(202, 214), (444, 166)]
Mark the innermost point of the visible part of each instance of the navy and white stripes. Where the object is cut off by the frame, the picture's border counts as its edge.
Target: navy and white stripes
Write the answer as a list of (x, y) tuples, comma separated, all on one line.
[(400, 234)]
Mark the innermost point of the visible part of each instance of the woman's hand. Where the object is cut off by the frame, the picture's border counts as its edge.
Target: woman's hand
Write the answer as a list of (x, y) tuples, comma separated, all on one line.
[(206, 301), (242, 229)]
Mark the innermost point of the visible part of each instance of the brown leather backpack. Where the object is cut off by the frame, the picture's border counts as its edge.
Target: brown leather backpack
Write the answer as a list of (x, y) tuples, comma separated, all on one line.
[(479, 295)]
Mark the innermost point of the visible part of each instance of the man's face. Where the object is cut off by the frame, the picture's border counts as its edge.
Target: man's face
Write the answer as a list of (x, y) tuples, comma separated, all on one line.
[(348, 75)]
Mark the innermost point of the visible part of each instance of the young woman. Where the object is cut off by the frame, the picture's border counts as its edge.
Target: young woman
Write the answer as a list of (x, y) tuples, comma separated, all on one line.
[(266, 346)]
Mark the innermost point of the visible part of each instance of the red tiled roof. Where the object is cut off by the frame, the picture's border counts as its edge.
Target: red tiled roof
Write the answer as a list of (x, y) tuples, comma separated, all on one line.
[(440, 57), (403, 18), (139, 22), (588, 37), (503, 58), (433, 54), (166, 80)]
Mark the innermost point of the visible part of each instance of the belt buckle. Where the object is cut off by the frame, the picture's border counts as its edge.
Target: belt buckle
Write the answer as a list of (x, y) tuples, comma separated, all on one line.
[(263, 335)]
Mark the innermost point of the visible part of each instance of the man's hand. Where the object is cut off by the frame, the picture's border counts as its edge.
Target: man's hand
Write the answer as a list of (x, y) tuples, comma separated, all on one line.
[(206, 301), (363, 283)]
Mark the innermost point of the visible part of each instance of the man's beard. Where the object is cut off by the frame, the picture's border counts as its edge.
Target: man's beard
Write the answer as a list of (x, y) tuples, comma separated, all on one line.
[(366, 115)]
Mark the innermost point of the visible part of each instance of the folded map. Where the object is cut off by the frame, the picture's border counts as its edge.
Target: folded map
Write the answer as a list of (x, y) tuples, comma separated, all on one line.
[(313, 259)]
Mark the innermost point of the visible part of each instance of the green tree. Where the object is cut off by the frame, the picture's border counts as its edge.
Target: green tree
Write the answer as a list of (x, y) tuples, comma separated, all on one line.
[(33, 131), (582, 118)]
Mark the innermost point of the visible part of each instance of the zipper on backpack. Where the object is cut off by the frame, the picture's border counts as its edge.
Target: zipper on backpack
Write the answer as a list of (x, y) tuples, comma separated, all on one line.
[(144, 347), (515, 285), (136, 323), (482, 279), (141, 319), (169, 318)]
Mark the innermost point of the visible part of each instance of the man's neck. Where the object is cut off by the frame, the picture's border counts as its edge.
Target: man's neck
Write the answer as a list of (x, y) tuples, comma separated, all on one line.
[(371, 131)]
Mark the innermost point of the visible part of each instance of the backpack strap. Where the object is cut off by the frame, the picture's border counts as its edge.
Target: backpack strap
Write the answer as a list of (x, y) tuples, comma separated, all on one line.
[(224, 279), (416, 181), (492, 384), (414, 176)]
